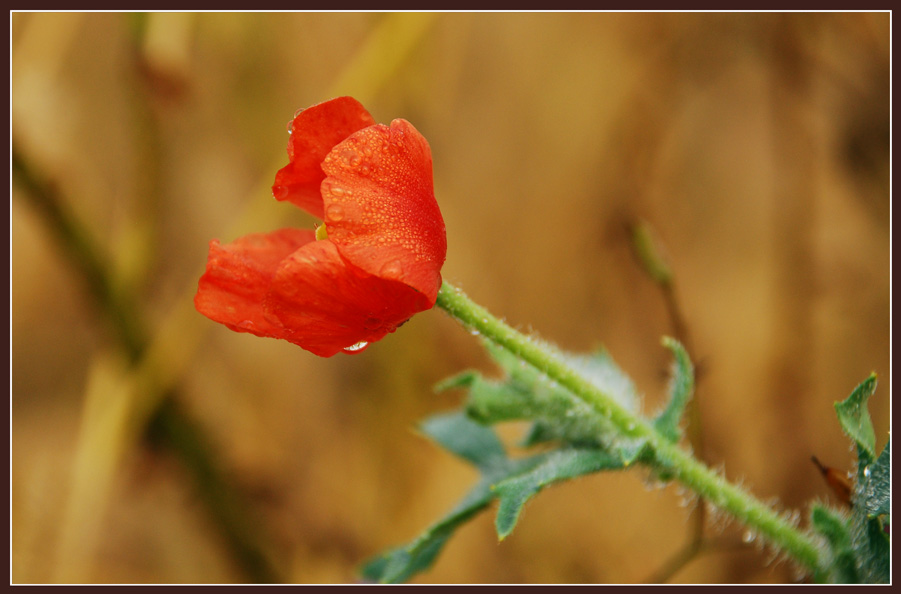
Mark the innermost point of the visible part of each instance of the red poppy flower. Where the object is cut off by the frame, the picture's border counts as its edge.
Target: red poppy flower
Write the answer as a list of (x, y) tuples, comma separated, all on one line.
[(378, 261)]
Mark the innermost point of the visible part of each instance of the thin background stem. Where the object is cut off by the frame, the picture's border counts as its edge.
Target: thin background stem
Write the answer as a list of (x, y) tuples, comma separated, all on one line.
[(181, 434), (658, 269)]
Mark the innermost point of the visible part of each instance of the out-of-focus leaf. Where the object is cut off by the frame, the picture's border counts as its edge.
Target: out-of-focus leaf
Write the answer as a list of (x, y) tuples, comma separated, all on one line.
[(840, 567), (680, 390), (466, 439)]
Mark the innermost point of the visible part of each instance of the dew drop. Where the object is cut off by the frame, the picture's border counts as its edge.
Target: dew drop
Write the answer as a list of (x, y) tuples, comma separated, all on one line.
[(336, 190), (351, 157), (392, 269), (334, 212), (280, 192), (299, 111), (866, 472), (748, 537), (373, 323), (354, 348)]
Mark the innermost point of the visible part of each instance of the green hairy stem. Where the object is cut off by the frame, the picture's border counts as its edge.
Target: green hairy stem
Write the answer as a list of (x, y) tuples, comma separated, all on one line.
[(667, 456)]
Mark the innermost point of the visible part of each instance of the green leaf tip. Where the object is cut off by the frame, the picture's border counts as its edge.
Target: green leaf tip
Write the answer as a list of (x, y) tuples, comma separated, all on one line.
[(854, 416), (514, 491), (869, 547), (680, 390)]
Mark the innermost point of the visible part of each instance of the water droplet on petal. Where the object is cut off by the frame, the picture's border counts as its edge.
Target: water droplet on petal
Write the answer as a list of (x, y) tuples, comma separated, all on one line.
[(290, 126), (334, 212), (373, 323), (280, 192), (336, 190), (351, 157), (354, 348), (299, 111), (392, 269)]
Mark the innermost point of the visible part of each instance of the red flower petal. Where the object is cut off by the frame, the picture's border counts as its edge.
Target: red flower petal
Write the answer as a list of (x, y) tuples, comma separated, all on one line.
[(314, 132), (381, 262), (380, 208), (238, 276), (327, 305)]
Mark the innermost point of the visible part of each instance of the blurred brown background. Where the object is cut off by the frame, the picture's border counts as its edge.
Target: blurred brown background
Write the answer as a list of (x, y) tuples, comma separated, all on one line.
[(756, 146)]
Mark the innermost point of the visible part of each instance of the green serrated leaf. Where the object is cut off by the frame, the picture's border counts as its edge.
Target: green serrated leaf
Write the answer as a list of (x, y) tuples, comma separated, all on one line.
[(555, 466), (465, 438), (509, 479), (680, 391), (854, 416), (870, 544)]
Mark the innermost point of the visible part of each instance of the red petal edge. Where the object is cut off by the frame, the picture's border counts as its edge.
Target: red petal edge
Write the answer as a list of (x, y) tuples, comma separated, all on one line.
[(314, 132), (239, 275)]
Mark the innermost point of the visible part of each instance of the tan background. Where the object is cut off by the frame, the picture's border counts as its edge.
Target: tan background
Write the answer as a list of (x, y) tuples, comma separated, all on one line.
[(756, 145)]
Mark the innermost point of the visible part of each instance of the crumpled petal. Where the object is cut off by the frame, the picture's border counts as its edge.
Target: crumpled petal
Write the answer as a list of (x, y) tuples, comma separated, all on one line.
[(326, 304), (239, 275), (314, 132), (380, 207)]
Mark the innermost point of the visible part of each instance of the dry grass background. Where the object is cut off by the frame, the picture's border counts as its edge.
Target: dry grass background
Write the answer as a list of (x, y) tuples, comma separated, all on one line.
[(755, 144)]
